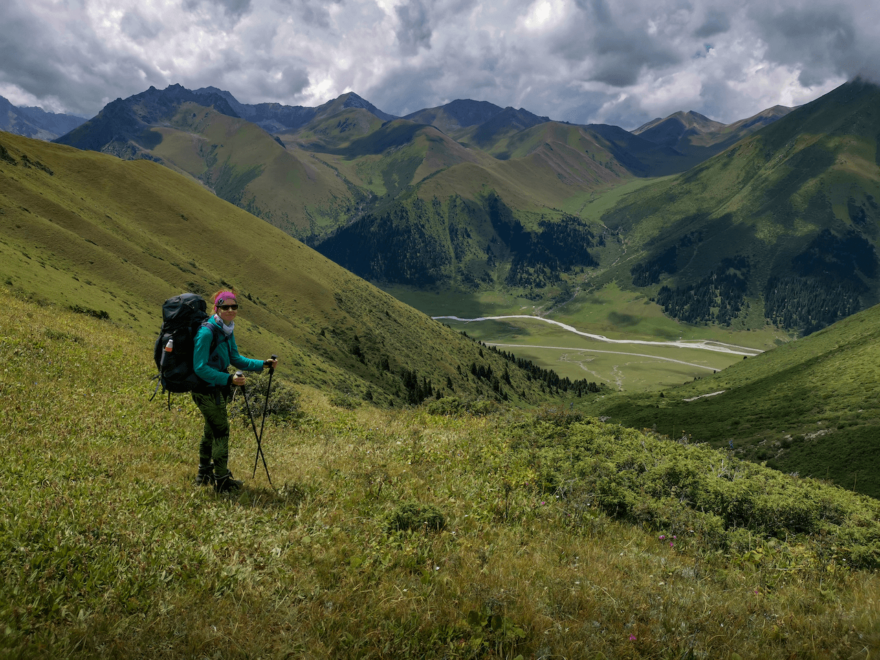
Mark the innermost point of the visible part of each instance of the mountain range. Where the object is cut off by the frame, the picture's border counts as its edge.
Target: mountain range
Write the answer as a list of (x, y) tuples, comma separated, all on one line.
[(781, 228), (329, 174), (35, 122), (768, 220), (778, 229)]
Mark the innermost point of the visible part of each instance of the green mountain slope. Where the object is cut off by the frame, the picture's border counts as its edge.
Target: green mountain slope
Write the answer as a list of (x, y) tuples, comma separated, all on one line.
[(697, 137), (809, 406), (780, 228), (447, 231), (457, 115), (396, 534), (334, 131), (232, 157), (116, 238), (244, 165)]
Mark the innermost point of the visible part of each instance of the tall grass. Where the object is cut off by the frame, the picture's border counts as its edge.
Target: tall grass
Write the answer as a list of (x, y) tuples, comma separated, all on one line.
[(106, 547)]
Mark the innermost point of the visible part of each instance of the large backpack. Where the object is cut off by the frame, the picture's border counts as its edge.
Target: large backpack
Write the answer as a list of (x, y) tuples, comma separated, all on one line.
[(182, 316)]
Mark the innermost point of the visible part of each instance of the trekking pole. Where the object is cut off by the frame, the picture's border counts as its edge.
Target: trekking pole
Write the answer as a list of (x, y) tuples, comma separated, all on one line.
[(247, 404), (263, 422)]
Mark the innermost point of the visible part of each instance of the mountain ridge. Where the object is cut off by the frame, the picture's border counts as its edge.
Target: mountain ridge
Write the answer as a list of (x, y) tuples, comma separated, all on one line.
[(32, 121), (698, 137), (787, 217)]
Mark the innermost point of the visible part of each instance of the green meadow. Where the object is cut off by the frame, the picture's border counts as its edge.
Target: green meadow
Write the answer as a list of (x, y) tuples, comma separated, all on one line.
[(610, 311), (116, 238), (428, 532), (809, 406), (620, 366)]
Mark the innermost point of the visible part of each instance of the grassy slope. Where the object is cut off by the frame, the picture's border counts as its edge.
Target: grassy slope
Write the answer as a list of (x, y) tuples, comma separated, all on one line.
[(244, 165), (769, 195), (336, 130), (122, 236), (702, 140), (810, 406), (558, 537), (397, 155)]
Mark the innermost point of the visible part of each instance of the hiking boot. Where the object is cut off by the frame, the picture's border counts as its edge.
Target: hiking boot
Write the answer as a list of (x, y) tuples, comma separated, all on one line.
[(226, 483), (205, 477)]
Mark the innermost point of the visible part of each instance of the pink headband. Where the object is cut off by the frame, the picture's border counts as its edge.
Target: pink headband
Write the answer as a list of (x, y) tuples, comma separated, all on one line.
[(223, 295)]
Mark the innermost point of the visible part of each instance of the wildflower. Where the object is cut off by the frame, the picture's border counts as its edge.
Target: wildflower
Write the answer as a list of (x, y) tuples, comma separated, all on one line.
[(662, 536), (671, 544), (632, 638)]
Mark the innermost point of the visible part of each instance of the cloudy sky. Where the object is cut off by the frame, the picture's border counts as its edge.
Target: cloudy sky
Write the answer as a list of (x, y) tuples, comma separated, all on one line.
[(622, 62)]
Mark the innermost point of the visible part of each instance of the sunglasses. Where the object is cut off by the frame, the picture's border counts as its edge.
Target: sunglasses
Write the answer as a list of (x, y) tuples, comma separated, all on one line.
[(226, 308)]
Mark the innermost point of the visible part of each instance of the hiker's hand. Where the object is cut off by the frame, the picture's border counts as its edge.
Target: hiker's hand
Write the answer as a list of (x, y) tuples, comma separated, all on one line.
[(271, 363), (238, 380)]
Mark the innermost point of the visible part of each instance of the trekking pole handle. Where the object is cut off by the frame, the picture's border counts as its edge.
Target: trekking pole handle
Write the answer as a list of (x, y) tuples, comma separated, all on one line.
[(272, 369)]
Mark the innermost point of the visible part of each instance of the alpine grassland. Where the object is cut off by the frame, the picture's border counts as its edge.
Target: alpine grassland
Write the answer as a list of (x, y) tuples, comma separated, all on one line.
[(434, 531), (779, 229), (116, 238), (808, 406)]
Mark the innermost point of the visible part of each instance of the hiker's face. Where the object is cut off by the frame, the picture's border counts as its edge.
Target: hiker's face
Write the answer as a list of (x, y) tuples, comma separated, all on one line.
[(227, 315)]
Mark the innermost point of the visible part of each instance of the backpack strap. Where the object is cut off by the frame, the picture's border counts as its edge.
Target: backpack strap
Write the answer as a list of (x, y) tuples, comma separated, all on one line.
[(217, 335)]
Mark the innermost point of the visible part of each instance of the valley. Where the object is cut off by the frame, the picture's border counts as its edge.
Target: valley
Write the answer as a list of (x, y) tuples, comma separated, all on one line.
[(552, 330), (518, 390), (419, 524)]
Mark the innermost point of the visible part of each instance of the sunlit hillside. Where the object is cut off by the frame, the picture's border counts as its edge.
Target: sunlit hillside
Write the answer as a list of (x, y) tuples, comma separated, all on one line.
[(416, 533), (809, 406), (116, 238)]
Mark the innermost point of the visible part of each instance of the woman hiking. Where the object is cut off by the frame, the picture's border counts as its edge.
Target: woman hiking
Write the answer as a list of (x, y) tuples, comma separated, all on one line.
[(211, 367)]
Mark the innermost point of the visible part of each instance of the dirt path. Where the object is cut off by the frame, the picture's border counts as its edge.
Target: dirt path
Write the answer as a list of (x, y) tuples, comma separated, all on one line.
[(701, 344), (702, 396)]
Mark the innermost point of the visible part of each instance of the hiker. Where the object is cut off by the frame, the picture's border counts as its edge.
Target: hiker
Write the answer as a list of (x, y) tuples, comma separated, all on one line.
[(214, 449)]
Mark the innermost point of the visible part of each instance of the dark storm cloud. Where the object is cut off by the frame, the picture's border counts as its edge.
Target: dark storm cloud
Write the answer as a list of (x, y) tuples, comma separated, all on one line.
[(716, 23), (415, 28), (313, 12), (60, 69), (824, 41), (234, 9), (139, 28), (625, 61), (616, 51)]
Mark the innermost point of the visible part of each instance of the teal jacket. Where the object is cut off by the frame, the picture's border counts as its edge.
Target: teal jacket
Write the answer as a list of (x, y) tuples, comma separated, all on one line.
[(212, 368)]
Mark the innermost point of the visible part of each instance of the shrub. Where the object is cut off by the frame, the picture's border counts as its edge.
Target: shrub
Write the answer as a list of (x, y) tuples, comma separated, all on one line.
[(415, 516), (99, 314), (723, 501), (343, 400), (283, 405), (448, 405)]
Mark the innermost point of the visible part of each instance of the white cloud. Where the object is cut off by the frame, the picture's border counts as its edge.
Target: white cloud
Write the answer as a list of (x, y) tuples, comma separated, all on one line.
[(620, 61)]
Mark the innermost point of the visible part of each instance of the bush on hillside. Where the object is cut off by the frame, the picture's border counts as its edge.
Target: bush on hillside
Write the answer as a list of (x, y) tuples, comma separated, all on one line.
[(453, 405), (414, 516), (283, 400), (695, 490), (343, 400)]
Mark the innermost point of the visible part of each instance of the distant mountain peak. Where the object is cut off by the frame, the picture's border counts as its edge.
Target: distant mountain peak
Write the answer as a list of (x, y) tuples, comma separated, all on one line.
[(353, 100), (34, 122)]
